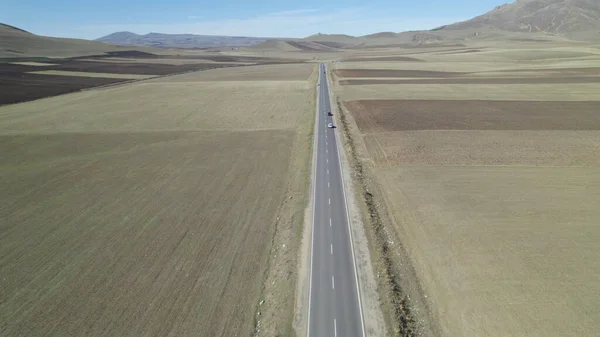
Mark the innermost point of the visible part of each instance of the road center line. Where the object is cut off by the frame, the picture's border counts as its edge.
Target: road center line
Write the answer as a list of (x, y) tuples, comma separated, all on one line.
[(334, 328), (329, 222), (332, 283), (331, 246), (328, 184), (330, 201)]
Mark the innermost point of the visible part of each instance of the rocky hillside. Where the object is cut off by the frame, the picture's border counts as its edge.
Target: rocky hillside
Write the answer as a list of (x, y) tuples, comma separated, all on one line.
[(575, 19)]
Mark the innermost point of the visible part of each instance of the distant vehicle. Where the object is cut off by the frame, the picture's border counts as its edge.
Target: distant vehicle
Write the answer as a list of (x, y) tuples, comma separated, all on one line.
[(330, 125), (329, 113)]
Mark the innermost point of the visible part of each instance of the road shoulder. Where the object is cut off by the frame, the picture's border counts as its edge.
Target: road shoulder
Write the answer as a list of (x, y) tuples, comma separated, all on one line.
[(369, 295)]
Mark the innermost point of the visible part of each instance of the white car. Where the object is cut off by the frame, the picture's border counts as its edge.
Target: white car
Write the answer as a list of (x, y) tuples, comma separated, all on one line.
[(330, 125)]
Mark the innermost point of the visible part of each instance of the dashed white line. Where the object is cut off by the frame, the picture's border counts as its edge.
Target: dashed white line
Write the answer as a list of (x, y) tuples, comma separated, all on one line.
[(327, 160), (330, 201), (331, 246), (332, 283), (329, 222), (334, 328)]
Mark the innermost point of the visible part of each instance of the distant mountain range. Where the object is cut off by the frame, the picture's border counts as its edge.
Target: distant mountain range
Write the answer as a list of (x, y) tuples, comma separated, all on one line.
[(521, 20), (181, 40)]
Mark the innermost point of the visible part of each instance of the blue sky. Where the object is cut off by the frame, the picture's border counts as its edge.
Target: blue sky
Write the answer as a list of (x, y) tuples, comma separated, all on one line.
[(269, 18)]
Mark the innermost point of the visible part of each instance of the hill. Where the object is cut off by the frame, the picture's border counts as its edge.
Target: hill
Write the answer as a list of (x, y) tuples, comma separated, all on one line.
[(15, 42), (180, 40), (574, 19)]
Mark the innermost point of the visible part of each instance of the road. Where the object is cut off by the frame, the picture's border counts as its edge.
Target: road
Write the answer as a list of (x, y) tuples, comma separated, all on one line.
[(334, 307)]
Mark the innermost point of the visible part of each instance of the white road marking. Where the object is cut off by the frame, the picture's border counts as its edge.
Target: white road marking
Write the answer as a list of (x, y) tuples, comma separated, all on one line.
[(327, 171), (329, 222), (334, 328), (362, 320), (327, 160), (331, 246), (330, 201), (332, 283), (328, 184), (312, 239)]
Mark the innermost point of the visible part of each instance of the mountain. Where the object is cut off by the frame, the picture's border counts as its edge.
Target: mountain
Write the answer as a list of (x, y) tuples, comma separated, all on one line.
[(574, 19), (15, 42), (180, 40)]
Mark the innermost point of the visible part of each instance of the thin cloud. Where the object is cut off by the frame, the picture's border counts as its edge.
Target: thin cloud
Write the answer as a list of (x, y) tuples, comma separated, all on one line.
[(293, 12)]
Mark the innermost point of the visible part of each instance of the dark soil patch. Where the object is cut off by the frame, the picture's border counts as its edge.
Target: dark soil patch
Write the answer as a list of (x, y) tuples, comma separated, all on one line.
[(17, 85), (460, 52), (331, 44), (403, 115), (305, 47), (414, 46), (22, 87), (383, 59), (389, 73), (133, 68), (557, 71), (477, 80)]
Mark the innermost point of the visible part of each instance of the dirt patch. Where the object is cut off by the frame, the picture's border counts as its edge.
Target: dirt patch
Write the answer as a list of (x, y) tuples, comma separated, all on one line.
[(460, 52), (305, 47), (396, 115), (382, 59), (149, 234), (480, 80), (556, 71), (134, 68), (385, 73), (18, 85), (22, 87), (87, 74)]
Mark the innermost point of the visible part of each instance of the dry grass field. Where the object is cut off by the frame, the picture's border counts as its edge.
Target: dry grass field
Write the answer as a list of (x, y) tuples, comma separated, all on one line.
[(490, 176), (148, 209)]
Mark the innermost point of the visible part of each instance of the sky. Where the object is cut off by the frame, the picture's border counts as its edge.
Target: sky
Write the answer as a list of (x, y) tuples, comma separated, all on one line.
[(261, 18)]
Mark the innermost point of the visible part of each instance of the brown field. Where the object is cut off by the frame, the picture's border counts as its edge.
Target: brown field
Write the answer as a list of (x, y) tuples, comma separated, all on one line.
[(399, 115), (489, 183), (382, 59), (25, 87), (385, 73), (19, 85), (481, 80), (151, 208), (88, 74)]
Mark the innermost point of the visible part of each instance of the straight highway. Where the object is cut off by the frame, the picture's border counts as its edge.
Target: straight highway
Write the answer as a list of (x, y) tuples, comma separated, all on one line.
[(334, 307)]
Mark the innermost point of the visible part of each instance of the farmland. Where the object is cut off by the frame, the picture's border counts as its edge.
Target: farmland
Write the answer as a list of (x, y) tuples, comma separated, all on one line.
[(26, 79), (484, 169), (151, 208)]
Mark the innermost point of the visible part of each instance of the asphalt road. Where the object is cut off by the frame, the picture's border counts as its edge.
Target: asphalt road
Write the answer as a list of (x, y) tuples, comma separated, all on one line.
[(334, 307)]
